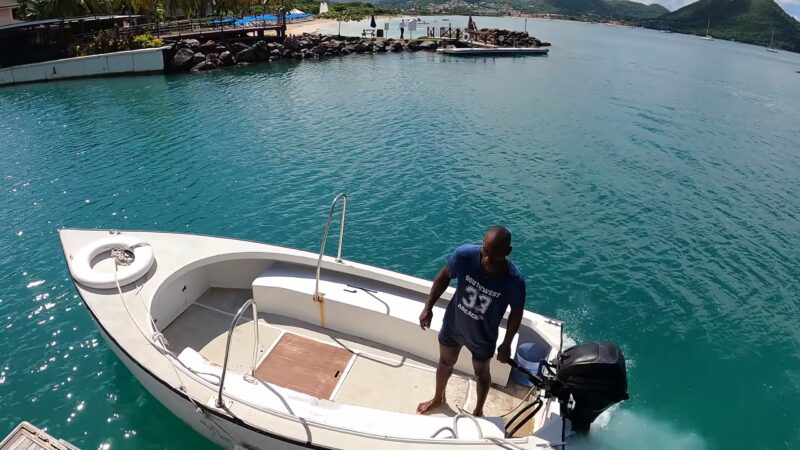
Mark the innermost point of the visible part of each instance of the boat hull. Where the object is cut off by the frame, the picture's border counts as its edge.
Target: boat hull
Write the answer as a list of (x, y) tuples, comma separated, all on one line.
[(218, 429)]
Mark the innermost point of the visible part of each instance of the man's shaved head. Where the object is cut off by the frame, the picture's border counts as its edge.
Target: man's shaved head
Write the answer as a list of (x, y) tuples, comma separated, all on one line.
[(499, 236), (496, 247)]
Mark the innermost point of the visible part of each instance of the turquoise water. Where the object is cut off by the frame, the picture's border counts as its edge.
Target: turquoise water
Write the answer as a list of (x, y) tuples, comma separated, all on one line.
[(650, 181)]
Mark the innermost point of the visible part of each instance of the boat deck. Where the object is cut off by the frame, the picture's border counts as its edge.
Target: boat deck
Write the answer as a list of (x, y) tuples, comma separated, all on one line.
[(325, 363)]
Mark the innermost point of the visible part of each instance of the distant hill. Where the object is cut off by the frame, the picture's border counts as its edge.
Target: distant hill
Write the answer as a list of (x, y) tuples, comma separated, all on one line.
[(750, 21), (602, 9), (606, 9)]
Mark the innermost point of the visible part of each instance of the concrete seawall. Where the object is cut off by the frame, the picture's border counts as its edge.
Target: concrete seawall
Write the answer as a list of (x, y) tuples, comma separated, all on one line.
[(132, 61)]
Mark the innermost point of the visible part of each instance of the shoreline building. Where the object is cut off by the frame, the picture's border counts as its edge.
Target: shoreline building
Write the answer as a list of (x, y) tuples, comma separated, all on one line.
[(7, 11)]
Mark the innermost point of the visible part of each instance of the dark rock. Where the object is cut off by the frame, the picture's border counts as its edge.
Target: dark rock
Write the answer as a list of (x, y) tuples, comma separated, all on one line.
[(208, 47), (182, 59), (297, 55), (237, 47), (193, 44), (346, 51), (287, 53), (292, 44), (361, 47), (198, 58), (274, 58), (397, 47), (275, 52), (227, 58), (203, 66), (213, 57), (220, 49), (427, 45), (413, 45), (246, 55)]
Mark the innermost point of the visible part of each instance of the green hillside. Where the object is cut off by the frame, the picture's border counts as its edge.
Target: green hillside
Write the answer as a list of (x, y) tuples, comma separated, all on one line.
[(618, 9), (750, 21), (602, 9)]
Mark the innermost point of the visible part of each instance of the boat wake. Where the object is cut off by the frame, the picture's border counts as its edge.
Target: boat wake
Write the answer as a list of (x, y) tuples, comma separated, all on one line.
[(620, 428)]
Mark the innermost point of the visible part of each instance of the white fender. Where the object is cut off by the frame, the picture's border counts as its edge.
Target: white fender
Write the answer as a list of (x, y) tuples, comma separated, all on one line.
[(81, 264)]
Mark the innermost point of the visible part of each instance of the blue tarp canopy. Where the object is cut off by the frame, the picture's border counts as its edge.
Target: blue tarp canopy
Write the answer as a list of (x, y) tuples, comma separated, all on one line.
[(250, 19)]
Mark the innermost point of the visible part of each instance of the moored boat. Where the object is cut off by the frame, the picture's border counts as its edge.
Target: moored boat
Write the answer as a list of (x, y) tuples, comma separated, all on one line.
[(260, 346)]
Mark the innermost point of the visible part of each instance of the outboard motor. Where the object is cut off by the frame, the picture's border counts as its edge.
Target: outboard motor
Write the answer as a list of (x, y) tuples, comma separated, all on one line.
[(590, 378)]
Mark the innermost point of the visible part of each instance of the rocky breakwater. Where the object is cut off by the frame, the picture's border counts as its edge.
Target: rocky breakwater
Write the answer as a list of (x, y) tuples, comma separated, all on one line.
[(191, 55), (506, 38)]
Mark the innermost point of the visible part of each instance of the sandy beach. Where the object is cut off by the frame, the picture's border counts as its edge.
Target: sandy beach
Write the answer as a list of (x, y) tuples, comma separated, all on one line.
[(313, 26)]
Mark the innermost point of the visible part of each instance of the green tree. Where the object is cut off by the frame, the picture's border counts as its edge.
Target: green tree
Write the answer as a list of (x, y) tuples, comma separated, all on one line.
[(344, 15)]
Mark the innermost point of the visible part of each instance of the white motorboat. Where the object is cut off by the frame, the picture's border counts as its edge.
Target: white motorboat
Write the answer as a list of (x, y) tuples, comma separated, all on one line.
[(493, 51), (332, 356)]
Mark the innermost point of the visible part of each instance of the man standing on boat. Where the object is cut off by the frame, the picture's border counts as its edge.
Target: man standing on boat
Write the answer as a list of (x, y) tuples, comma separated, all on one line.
[(487, 284)]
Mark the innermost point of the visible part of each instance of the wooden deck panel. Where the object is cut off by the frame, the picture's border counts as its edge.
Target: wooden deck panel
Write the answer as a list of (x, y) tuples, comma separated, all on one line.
[(27, 437), (304, 365)]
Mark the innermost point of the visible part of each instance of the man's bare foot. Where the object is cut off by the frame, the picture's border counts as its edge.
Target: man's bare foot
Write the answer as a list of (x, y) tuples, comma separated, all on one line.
[(478, 412), (426, 407)]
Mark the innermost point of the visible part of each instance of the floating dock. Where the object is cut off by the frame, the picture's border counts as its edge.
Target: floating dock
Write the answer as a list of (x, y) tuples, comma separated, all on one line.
[(494, 51), (27, 437)]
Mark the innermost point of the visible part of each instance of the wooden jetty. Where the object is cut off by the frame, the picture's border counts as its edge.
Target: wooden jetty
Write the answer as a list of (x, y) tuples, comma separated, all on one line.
[(223, 33), (27, 437)]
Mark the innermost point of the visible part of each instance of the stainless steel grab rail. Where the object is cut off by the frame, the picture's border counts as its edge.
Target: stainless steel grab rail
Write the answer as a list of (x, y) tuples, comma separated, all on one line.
[(236, 318), (343, 197)]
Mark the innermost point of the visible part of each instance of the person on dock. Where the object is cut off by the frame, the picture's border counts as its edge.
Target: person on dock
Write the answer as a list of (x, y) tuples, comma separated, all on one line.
[(488, 282), (402, 27)]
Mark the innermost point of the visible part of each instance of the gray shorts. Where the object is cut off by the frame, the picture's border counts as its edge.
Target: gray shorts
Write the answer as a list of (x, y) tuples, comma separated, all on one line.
[(479, 353)]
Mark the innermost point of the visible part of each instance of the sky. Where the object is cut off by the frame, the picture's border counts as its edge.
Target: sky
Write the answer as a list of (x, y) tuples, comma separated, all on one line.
[(790, 6)]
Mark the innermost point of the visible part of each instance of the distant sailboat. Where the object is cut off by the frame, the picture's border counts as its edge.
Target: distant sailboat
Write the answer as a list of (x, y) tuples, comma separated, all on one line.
[(771, 39), (708, 36)]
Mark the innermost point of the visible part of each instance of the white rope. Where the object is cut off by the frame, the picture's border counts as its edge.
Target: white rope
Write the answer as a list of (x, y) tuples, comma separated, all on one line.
[(157, 336)]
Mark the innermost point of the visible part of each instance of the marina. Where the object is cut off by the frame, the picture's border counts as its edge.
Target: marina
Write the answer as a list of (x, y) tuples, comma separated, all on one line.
[(651, 199)]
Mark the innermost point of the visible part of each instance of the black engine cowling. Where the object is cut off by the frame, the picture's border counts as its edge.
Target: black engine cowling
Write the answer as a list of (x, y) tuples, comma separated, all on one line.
[(594, 375)]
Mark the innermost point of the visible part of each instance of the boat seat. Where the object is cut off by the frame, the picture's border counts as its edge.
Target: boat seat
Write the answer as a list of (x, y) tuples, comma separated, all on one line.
[(364, 308), (367, 420)]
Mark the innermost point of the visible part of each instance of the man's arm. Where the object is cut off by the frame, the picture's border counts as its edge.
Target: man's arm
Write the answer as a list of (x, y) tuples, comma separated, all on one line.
[(440, 285), (512, 326)]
